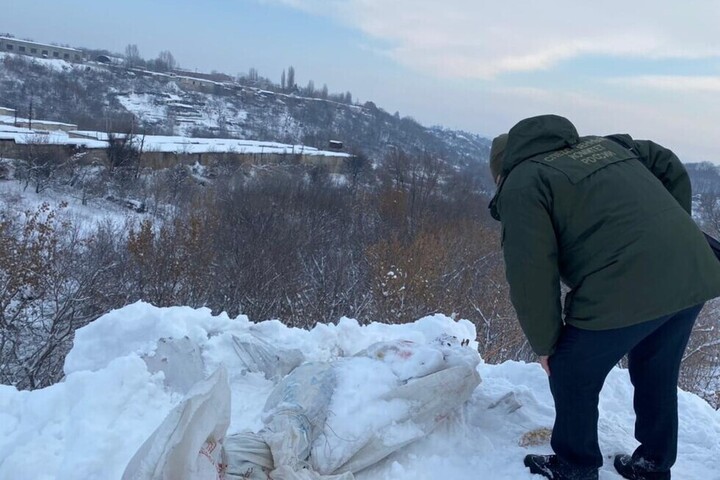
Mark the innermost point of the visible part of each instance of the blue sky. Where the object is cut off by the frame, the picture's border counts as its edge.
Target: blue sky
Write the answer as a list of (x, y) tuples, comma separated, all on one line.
[(648, 68)]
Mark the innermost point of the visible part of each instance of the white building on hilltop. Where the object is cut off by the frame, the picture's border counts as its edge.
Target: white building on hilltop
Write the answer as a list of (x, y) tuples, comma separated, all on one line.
[(41, 50)]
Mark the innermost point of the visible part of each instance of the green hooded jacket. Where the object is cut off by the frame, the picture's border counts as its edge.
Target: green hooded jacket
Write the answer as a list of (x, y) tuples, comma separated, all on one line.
[(610, 217)]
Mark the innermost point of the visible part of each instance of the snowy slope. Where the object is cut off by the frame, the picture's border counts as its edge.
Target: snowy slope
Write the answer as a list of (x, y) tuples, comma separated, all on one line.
[(90, 425), (89, 94)]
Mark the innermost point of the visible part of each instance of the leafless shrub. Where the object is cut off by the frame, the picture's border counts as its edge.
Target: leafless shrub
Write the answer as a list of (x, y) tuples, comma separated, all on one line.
[(48, 289), (700, 370), (40, 162)]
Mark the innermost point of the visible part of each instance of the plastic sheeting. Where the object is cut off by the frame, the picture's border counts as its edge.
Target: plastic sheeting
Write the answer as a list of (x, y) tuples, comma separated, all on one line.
[(299, 441), (296, 414), (181, 362), (186, 444), (257, 355)]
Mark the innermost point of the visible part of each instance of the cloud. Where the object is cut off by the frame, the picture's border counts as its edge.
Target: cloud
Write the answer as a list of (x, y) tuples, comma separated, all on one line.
[(699, 84), (468, 39), (471, 39), (690, 132)]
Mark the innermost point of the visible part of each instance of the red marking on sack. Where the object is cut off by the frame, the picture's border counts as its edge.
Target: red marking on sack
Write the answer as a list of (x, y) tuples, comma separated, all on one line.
[(206, 451)]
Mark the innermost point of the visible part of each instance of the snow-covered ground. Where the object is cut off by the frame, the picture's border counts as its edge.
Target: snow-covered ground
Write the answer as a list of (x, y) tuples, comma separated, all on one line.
[(179, 144), (159, 143), (24, 136), (16, 200), (91, 424)]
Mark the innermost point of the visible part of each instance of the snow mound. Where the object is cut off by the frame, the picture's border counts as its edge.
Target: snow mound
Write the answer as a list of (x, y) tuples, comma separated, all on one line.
[(90, 425)]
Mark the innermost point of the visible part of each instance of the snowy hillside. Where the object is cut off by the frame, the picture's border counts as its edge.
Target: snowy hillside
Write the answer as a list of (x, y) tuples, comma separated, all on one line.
[(91, 424), (90, 94)]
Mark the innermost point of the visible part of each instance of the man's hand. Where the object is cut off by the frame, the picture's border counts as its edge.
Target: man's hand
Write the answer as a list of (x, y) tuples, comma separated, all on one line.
[(544, 363)]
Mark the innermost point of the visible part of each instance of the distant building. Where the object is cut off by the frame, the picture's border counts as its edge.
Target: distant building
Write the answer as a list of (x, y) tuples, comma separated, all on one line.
[(40, 50), (109, 60), (213, 77), (335, 145), (45, 125), (8, 116), (199, 84), (160, 152)]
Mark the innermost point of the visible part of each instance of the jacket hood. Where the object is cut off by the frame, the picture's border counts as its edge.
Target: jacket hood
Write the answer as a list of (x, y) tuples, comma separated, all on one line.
[(536, 135), (531, 137)]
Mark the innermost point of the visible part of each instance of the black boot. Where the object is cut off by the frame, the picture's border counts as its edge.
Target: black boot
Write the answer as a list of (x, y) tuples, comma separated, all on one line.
[(639, 469), (550, 466)]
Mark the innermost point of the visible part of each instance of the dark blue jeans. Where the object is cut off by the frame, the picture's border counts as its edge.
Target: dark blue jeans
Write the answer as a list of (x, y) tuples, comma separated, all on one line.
[(582, 361)]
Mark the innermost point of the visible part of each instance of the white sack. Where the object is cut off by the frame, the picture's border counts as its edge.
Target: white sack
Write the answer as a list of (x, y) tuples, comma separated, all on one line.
[(186, 444), (248, 457), (295, 413), (432, 400), (257, 355), (301, 434)]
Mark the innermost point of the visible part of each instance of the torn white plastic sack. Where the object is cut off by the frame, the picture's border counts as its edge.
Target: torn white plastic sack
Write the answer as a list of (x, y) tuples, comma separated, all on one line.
[(257, 355), (186, 445), (430, 400), (313, 426), (248, 457), (294, 416), (180, 361)]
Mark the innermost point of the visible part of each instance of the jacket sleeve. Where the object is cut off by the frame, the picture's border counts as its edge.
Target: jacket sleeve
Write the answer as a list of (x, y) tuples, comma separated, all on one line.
[(531, 263), (666, 166)]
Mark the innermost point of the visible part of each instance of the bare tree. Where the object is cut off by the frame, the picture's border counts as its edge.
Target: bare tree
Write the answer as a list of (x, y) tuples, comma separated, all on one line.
[(166, 61), (132, 55), (41, 160), (124, 151), (291, 78), (52, 281), (310, 89), (700, 368)]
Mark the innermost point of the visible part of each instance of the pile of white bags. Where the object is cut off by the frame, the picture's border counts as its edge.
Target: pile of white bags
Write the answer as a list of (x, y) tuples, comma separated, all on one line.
[(303, 437)]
